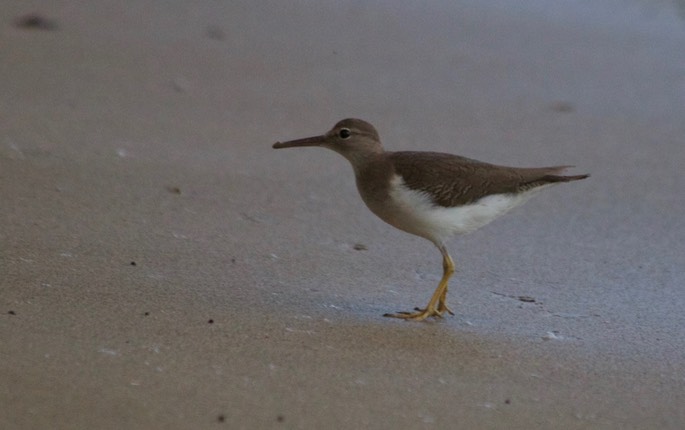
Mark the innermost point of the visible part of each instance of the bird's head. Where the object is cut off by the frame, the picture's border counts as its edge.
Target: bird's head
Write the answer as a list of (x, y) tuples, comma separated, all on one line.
[(353, 138)]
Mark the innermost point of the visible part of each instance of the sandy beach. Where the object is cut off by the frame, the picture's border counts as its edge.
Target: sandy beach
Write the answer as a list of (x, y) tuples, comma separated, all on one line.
[(162, 267)]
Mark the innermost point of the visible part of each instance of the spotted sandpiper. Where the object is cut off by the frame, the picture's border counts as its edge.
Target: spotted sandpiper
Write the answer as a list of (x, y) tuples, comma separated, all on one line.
[(430, 194)]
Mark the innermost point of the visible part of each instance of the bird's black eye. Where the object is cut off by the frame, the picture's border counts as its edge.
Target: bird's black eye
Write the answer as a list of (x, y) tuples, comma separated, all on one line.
[(344, 133)]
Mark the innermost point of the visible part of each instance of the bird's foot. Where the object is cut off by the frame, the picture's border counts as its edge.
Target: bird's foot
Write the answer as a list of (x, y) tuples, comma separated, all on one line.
[(442, 308), (421, 314)]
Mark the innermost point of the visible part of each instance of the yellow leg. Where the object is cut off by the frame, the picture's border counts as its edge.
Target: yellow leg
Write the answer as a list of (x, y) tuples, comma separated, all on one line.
[(437, 305), (448, 269)]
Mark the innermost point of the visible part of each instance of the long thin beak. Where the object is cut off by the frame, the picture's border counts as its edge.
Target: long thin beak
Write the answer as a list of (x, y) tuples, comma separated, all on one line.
[(307, 141)]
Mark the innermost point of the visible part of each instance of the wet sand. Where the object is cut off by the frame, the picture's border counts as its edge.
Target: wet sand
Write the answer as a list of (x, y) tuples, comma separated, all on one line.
[(162, 267)]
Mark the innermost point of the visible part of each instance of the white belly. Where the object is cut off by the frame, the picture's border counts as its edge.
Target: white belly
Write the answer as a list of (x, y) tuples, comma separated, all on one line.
[(414, 212)]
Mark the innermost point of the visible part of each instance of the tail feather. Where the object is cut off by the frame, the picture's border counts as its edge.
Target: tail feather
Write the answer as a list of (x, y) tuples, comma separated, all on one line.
[(550, 179), (554, 174), (559, 178)]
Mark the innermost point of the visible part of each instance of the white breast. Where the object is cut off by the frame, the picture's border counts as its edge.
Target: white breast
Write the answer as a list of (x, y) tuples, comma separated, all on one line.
[(413, 212)]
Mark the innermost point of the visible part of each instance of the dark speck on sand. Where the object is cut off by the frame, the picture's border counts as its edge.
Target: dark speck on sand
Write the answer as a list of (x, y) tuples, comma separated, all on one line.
[(35, 21)]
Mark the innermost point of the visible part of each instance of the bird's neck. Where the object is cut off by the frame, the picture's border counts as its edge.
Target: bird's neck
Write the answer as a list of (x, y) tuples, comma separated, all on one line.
[(361, 159)]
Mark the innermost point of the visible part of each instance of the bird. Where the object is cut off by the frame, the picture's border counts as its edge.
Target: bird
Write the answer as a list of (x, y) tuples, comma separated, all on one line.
[(432, 195)]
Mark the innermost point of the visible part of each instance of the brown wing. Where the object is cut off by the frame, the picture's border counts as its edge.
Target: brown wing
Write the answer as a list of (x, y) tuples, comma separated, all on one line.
[(452, 180)]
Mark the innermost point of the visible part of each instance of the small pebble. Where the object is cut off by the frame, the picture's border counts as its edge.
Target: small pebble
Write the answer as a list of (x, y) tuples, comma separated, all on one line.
[(215, 33), (562, 107), (552, 335)]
